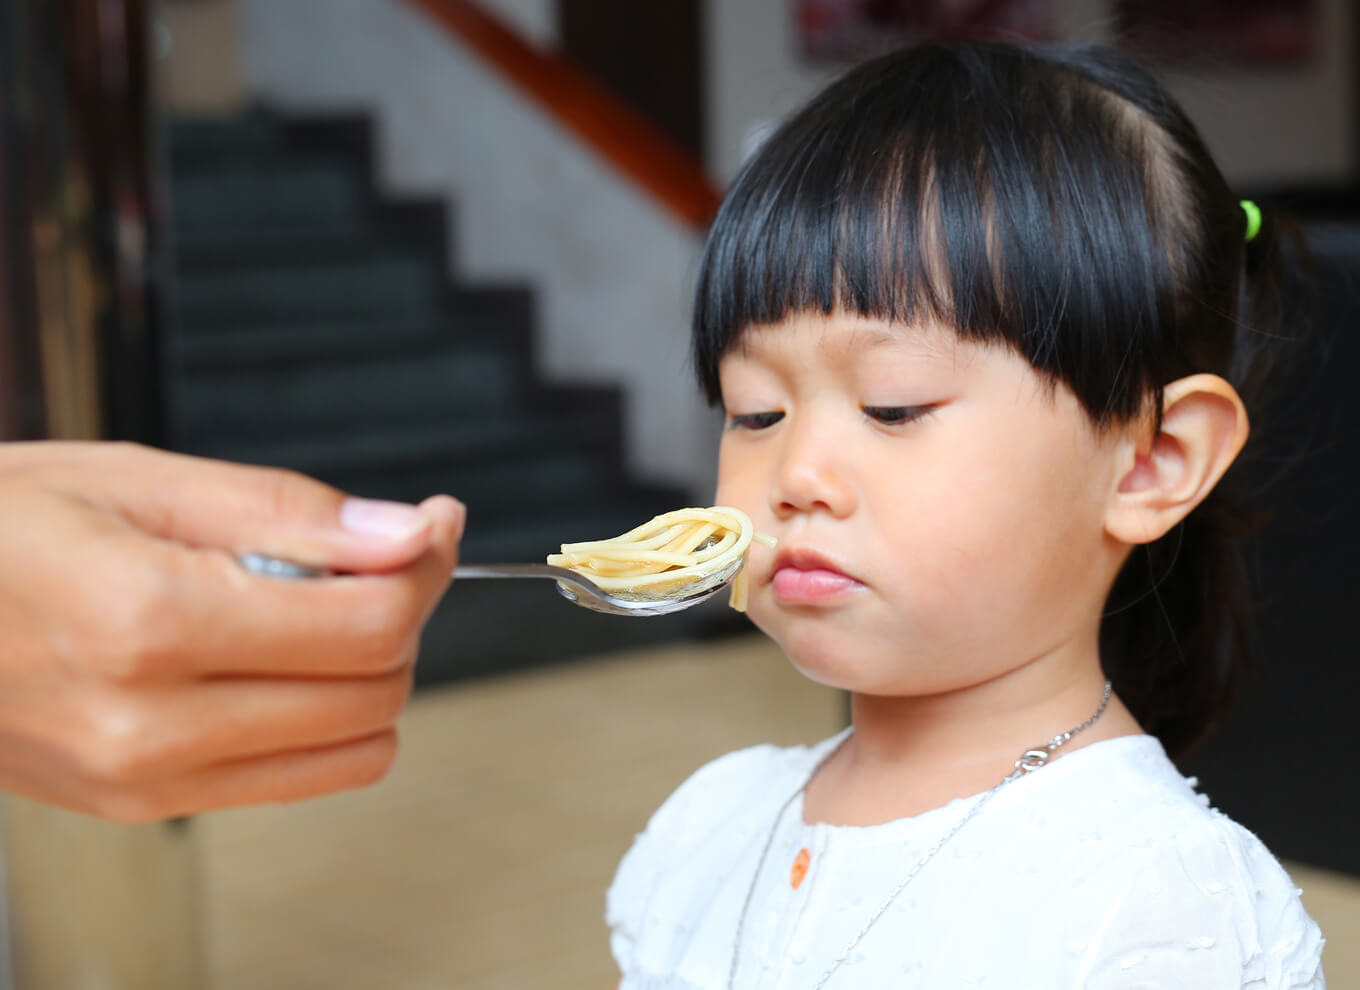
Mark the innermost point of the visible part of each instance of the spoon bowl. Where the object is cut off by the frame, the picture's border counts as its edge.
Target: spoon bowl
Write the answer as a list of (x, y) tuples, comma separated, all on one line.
[(580, 590)]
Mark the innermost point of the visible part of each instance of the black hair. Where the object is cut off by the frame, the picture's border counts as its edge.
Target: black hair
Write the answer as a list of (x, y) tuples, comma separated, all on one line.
[(1054, 199)]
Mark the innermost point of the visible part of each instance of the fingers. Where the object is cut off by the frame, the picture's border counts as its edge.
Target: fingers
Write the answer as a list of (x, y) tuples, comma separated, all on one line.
[(282, 778), (277, 778), (138, 610), (95, 743), (153, 735), (356, 624)]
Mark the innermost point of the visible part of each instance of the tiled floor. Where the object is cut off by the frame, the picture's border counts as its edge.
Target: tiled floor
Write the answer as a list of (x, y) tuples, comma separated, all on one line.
[(481, 862)]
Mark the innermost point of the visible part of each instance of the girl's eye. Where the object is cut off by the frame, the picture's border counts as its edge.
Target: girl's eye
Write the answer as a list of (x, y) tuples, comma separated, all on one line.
[(754, 421), (896, 415)]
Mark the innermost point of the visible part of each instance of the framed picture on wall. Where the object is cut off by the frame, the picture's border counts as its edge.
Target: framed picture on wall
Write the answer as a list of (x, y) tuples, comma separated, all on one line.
[(849, 30), (1238, 32)]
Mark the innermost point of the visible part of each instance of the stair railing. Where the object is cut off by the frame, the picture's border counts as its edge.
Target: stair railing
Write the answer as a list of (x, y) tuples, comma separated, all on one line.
[(623, 137)]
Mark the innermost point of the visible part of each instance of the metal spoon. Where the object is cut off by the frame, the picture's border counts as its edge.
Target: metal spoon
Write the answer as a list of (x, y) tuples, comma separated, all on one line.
[(570, 585)]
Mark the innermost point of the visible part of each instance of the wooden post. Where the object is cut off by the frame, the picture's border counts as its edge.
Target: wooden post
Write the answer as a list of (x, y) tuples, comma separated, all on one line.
[(90, 905), (97, 906)]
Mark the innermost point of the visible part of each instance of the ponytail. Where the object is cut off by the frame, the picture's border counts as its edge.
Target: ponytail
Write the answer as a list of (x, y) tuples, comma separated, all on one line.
[(1176, 639)]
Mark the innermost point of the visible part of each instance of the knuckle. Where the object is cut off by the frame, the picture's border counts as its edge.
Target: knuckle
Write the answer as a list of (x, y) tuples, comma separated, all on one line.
[(125, 807), (377, 761), (121, 452), (382, 639), (287, 492), (141, 629), (396, 692), (118, 746), (125, 637)]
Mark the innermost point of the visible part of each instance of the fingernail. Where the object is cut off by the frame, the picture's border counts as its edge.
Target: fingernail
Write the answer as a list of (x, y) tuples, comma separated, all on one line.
[(393, 520), (459, 518), (457, 511)]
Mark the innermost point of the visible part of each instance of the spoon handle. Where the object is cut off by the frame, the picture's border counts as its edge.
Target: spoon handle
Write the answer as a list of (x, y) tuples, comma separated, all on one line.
[(267, 566), (514, 571)]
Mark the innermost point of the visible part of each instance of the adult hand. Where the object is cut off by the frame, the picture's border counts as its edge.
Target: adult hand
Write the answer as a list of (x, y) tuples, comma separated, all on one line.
[(145, 674)]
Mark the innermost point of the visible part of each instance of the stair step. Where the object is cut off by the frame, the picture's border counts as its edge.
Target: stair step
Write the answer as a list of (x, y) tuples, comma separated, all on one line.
[(209, 243), (282, 191), (341, 241), (518, 482), (311, 290), (191, 139), (525, 471), (441, 446), (527, 477), (338, 398), (220, 348)]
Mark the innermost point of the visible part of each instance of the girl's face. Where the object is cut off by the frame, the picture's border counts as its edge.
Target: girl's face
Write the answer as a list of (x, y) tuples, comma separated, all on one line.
[(939, 507)]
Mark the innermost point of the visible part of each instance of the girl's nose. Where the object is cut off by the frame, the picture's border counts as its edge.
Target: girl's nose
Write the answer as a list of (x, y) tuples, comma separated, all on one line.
[(811, 476)]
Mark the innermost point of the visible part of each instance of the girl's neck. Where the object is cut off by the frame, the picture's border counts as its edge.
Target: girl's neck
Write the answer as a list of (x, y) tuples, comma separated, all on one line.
[(909, 755)]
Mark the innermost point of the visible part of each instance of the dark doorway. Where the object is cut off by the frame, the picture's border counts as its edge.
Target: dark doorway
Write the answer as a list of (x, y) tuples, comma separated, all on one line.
[(649, 54)]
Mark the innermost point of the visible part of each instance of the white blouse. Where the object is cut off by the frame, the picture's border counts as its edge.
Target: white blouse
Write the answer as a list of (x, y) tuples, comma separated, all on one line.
[(1103, 869)]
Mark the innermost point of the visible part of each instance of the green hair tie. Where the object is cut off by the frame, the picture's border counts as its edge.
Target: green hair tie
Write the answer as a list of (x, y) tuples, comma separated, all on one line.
[(1253, 213)]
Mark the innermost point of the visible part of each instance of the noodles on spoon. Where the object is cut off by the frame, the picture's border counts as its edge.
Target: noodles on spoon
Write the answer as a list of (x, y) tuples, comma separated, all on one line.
[(675, 554)]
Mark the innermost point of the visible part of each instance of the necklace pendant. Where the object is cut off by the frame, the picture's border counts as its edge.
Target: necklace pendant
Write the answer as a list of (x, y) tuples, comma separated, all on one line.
[(1033, 759), (799, 871)]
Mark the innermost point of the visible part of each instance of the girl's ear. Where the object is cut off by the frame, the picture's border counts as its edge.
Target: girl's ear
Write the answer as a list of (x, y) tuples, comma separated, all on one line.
[(1162, 477)]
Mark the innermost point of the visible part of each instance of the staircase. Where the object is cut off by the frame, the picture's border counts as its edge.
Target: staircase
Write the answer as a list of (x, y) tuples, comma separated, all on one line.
[(317, 329)]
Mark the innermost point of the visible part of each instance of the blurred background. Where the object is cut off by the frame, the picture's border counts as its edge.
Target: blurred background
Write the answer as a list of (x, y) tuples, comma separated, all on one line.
[(411, 246)]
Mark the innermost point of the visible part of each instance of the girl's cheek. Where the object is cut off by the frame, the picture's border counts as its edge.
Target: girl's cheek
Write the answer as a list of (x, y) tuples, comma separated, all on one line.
[(734, 477), (744, 482), (735, 491)]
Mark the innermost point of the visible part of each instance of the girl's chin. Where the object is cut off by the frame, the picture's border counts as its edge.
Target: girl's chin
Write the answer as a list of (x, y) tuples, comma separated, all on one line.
[(844, 665), (828, 667)]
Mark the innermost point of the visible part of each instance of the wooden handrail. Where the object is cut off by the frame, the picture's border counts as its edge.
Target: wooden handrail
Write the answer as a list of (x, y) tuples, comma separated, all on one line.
[(631, 143)]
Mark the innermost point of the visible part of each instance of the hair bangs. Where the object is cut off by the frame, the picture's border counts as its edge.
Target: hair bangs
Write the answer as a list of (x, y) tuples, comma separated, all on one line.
[(975, 188), (836, 221)]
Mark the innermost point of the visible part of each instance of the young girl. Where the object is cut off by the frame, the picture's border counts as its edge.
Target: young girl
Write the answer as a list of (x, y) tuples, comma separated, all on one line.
[(980, 318)]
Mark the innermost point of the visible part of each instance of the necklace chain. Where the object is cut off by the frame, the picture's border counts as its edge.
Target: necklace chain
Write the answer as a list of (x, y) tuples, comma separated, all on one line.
[(1029, 761)]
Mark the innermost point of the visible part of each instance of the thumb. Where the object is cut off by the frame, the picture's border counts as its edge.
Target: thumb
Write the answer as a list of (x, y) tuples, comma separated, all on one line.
[(244, 509)]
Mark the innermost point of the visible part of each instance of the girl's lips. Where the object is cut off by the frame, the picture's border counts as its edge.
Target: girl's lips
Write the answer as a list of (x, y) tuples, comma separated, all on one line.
[(807, 587), (804, 577)]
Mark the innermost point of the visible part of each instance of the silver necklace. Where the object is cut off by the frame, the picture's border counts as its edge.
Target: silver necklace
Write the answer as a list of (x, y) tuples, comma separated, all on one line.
[(1029, 761)]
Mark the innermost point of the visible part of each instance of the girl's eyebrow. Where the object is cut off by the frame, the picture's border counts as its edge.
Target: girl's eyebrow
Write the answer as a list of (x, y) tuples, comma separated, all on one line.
[(922, 343), (928, 343)]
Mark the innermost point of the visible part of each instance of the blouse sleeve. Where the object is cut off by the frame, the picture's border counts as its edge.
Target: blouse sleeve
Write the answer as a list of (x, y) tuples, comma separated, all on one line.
[(1208, 908), (626, 901)]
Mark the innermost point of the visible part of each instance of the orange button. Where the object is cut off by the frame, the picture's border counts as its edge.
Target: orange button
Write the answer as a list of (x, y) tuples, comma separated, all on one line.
[(800, 868)]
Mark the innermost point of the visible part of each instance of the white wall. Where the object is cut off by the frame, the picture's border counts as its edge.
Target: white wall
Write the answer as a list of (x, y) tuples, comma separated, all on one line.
[(1283, 125), (534, 20), (612, 271), (1266, 126)]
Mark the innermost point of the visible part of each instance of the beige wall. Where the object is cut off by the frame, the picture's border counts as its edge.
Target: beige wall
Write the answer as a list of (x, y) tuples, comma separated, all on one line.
[(198, 42), (199, 48), (1276, 126)]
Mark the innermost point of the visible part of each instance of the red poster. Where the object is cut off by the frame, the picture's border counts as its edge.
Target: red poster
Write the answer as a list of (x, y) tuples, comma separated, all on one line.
[(848, 30), (1254, 32)]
